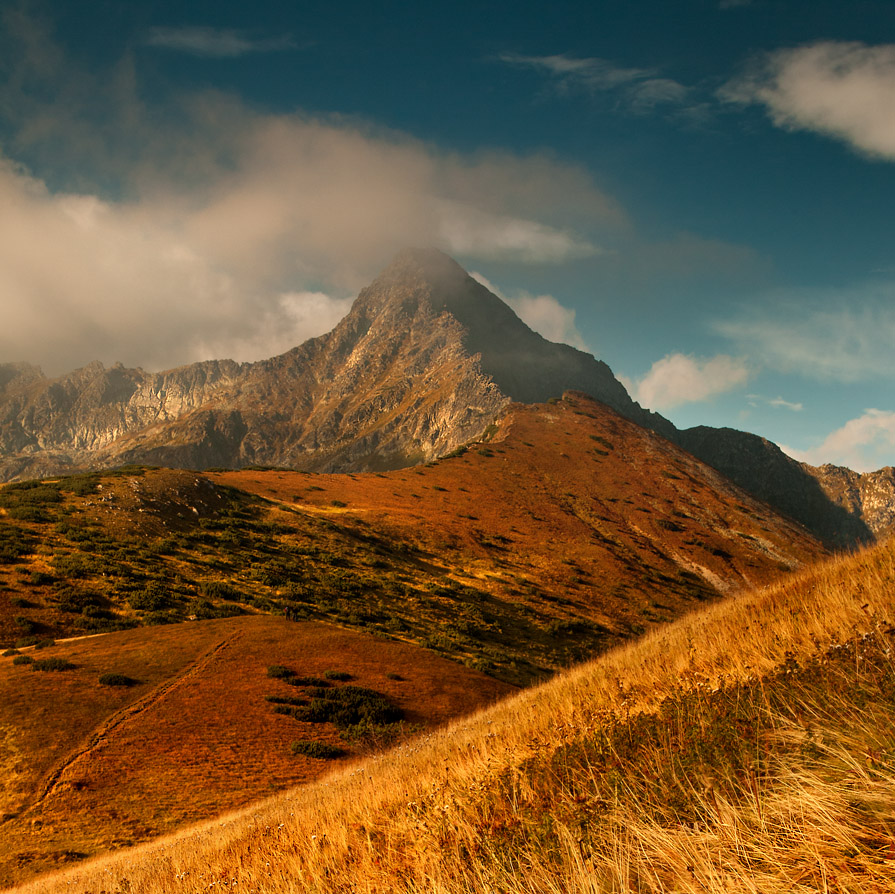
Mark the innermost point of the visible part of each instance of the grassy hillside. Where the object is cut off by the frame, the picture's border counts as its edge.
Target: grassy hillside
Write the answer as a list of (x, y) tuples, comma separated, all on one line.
[(133, 734), (750, 747), (570, 530)]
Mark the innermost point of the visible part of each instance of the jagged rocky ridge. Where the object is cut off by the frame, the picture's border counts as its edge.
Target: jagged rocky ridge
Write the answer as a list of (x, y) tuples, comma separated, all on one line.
[(425, 360)]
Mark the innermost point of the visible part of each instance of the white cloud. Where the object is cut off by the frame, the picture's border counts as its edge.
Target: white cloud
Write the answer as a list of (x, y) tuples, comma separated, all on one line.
[(863, 444), (782, 404), (842, 90), (543, 313), (466, 230), (219, 43), (642, 89), (679, 379), (832, 335), (222, 218)]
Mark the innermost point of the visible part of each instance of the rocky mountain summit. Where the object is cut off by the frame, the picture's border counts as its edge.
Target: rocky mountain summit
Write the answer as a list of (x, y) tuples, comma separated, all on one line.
[(424, 362)]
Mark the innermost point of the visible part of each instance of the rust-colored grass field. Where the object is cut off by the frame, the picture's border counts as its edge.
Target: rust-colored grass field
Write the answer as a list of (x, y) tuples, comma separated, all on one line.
[(566, 531), (747, 747), (568, 504), (87, 767)]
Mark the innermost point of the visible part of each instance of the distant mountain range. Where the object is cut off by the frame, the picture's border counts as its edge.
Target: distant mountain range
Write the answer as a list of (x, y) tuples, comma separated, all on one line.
[(424, 362)]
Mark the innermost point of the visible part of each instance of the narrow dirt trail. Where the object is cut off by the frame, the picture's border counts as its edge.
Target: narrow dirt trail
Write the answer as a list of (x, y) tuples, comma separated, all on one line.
[(125, 714)]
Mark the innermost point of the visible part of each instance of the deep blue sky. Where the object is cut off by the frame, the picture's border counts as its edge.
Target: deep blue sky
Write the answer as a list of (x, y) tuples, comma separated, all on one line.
[(699, 193)]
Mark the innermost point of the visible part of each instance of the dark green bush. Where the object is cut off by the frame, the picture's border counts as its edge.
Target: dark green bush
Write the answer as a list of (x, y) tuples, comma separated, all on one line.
[(347, 706), (117, 680), (27, 513), (9, 652), (23, 659), (319, 750), (319, 682), (26, 625), (279, 672), (340, 676), (285, 700), (152, 598), (218, 589), (75, 599), (14, 543), (81, 486), (77, 565), (51, 664)]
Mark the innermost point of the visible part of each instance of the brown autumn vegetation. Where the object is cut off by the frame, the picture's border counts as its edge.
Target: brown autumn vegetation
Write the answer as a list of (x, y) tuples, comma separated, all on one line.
[(569, 530), (89, 766), (565, 531), (747, 747)]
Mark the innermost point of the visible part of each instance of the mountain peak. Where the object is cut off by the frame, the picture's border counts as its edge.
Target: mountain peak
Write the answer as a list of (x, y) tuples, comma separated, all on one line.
[(424, 263)]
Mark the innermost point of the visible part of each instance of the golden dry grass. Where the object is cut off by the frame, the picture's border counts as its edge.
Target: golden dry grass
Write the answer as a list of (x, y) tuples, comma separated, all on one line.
[(500, 802)]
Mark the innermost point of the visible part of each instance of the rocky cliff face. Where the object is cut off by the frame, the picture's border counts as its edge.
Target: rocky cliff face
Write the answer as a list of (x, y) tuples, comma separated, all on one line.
[(869, 496), (426, 359)]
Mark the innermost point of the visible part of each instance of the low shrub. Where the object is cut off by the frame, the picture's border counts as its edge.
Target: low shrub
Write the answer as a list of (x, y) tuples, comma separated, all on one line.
[(285, 700), (152, 598), (9, 652), (340, 676), (318, 682), (348, 706), (279, 672), (22, 659), (218, 589), (51, 664), (117, 680), (319, 750), (26, 625)]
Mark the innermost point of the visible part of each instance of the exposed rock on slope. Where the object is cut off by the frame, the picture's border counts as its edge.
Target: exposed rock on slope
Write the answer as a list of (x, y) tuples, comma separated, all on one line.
[(424, 361), (869, 496)]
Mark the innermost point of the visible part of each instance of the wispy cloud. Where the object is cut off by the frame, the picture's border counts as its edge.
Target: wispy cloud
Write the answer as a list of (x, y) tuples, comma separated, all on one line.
[(863, 444), (543, 313), (782, 404), (641, 89), (834, 335), (215, 43), (842, 90), (778, 403), (680, 378)]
